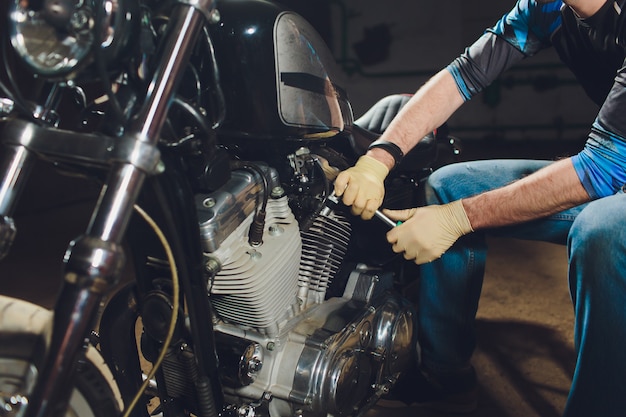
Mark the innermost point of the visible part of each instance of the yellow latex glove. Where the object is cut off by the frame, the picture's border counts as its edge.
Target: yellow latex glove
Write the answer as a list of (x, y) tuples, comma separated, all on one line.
[(362, 186), (427, 232)]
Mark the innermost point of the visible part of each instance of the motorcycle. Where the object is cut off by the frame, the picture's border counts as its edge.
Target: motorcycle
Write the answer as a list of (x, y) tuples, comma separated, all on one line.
[(214, 130)]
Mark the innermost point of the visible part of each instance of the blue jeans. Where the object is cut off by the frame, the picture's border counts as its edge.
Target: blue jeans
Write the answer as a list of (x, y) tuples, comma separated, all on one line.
[(596, 238)]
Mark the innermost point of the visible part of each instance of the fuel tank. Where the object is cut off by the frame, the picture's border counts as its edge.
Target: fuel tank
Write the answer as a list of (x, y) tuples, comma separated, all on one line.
[(279, 78)]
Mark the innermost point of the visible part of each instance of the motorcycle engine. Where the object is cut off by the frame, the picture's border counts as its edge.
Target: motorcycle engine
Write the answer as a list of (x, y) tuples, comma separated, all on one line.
[(285, 348)]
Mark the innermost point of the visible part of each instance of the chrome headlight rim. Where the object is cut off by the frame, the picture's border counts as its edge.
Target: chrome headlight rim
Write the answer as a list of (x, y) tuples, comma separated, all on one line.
[(104, 30), (52, 47)]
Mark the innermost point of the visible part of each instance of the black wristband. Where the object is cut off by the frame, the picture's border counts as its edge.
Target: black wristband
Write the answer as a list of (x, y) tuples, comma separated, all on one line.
[(391, 148)]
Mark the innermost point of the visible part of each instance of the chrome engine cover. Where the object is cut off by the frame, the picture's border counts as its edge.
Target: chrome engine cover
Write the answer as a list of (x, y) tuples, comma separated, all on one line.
[(284, 348), (336, 358)]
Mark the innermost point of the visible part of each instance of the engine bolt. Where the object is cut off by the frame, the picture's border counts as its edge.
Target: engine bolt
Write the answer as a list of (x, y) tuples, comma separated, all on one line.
[(278, 192), (209, 202), (212, 265), (271, 346), (302, 151), (275, 230)]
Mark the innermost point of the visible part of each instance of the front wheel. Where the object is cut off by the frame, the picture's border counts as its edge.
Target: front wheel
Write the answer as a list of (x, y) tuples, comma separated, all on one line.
[(24, 331)]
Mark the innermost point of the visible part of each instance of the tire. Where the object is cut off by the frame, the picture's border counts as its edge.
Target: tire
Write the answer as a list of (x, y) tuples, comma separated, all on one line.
[(24, 331)]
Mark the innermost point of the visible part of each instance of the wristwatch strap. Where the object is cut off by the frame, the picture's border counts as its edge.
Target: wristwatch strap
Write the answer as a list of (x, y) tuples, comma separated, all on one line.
[(391, 148)]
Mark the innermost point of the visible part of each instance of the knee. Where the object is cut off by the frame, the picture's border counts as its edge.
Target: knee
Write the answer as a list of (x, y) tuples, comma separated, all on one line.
[(598, 229), (595, 245), (439, 188)]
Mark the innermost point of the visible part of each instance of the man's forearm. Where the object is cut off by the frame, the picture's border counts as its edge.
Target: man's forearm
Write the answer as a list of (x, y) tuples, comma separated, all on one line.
[(428, 109), (545, 192)]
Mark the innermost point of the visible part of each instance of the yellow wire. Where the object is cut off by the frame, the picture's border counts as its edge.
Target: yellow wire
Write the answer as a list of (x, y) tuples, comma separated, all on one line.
[(175, 290)]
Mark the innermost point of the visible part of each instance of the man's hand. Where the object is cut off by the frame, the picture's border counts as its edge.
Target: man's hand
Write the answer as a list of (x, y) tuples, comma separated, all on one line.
[(427, 232), (362, 186)]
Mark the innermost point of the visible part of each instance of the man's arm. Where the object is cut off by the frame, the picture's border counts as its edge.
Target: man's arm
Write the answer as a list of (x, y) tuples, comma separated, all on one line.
[(362, 186), (428, 232), (428, 109), (547, 191)]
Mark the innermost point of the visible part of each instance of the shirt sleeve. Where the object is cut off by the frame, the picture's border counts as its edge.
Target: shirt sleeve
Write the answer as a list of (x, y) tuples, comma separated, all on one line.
[(520, 33), (601, 165)]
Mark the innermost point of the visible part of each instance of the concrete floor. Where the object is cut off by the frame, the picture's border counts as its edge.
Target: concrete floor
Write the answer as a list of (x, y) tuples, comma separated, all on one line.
[(524, 357)]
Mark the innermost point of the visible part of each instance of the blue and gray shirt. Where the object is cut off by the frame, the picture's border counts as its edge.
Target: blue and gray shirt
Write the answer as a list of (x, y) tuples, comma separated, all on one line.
[(592, 48)]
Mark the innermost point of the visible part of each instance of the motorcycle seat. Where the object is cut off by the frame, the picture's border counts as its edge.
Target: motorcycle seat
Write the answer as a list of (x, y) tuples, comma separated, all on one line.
[(375, 121)]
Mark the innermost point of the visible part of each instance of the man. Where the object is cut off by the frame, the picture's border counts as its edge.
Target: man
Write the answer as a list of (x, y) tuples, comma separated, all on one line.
[(578, 201)]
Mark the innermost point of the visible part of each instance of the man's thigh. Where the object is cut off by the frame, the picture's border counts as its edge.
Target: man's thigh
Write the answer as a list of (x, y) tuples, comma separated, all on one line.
[(465, 179)]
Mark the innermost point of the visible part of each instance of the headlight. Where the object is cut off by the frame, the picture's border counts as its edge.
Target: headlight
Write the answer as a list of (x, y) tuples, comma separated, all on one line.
[(53, 37)]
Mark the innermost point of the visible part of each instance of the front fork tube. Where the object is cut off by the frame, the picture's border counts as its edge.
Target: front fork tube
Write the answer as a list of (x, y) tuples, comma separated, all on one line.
[(93, 261), (16, 163)]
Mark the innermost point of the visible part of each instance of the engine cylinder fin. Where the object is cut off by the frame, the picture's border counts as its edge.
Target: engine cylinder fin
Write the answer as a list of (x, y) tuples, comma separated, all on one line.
[(257, 286), (324, 246)]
